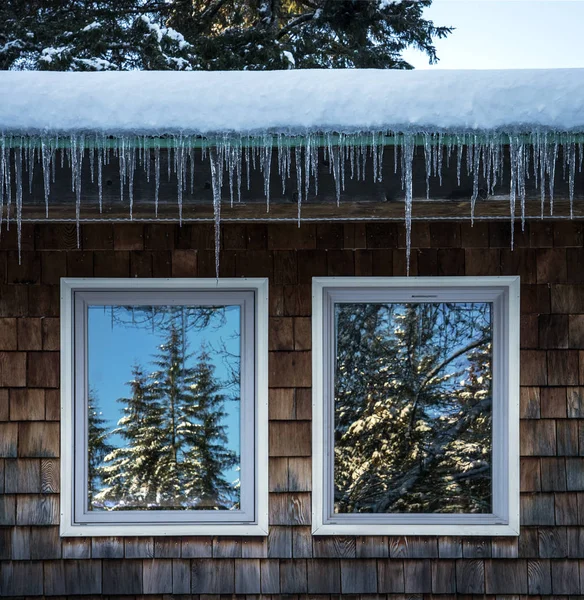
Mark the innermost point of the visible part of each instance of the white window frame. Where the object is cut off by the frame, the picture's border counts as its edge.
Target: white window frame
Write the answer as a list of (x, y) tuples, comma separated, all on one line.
[(252, 296), (503, 292)]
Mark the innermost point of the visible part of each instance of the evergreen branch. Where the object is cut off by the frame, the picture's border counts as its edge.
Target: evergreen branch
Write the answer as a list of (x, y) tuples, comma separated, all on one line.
[(294, 23)]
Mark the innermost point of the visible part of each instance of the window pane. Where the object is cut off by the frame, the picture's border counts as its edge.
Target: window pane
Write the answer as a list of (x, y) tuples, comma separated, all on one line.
[(163, 407), (413, 408)]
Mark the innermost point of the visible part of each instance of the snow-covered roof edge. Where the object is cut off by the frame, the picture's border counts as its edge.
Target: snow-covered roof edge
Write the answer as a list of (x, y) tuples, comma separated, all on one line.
[(292, 102)]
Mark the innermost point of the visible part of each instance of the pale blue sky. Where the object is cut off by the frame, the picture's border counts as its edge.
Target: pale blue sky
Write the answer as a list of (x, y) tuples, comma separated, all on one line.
[(507, 34)]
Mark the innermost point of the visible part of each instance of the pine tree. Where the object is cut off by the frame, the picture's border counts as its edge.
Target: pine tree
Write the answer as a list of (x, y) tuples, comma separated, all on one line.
[(98, 447), (212, 34), (207, 456), (132, 471), (412, 409)]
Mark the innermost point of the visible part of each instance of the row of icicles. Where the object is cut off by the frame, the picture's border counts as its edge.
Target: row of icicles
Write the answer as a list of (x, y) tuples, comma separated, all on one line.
[(230, 157)]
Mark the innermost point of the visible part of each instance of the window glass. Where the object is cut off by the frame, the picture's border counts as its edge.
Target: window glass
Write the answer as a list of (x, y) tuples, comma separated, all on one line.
[(163, 414), (413, 407)]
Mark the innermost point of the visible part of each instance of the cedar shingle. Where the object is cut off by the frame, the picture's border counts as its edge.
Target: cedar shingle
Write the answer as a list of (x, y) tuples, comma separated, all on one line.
[(38, 439), (106, 547), (553, 331), (567, 233), (553, 542), (122, 577), (553, 475), (575, 402), (27, 404), (45, 543), (565, 577), (4, 405), (285, 267), (372, 547), (22, 476), (450, 262), (505, 547), (299, 475), (37, 509), (53, 267), (281, 333), (8, 440), (290, 509), (575, 474), (444, 577), (302, 333), (281, 404), (226, 547), (476, 547), (7, 510), (72, 577), (334, 547), (278, 474), (167, 547), (29, 334), (418, 576), (340, 263), (76, 548), (158, 236), (562, 367), (157, 576), (270, 576), (290, 236), (14, 300), (290, 438), (528, 332), (128, 236), (279, 542), (20, 543), (481, 262), (538, 437), (576, 331), (537, 509), (293, 577), (196, 547), (505, 577), (303, 398), (8, 337), (98, 236), (43, 369), (528, 542), (247, 576), (567, 434), (358, 576), (519, 261), (535, 299), (21, 578), (301, 542), (551, 265), (567, 299), (181, 576), (533, 367), (52, 405), (312, 263), (12, 369), (530, 474), (470, 576), (324, 576), (566, 509), (184, 263), (80, 264), (450, 547), (390, 576), (51, 334), (290, 369), (255, 547), (539, 577)]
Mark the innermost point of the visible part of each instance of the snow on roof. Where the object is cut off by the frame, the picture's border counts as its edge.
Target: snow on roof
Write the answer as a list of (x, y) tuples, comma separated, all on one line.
[(292, 102)]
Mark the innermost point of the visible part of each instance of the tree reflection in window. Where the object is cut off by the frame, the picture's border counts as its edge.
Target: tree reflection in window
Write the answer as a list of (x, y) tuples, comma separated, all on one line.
[(413, 408), (171, 442)]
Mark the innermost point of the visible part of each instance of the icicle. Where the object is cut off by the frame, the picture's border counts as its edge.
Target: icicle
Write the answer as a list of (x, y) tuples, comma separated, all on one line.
[(298, 160), (266, 161), (571, 174), (156, 176), (513, 148), (217, 183), (427, 162), (18, 176), (46, 157), (407, 169)]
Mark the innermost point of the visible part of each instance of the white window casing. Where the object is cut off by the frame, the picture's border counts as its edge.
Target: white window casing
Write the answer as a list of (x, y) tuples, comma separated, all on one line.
[(503, 293), (251, 518)]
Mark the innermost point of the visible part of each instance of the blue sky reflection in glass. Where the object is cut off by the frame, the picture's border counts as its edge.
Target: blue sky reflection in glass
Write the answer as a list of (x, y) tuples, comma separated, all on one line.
[(164, 410)]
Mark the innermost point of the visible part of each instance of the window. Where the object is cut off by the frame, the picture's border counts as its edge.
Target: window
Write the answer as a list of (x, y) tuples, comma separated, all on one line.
[(164, 407), (416, 406)]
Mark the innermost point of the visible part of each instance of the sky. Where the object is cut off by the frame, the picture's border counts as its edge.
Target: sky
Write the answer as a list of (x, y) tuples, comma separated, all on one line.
[(114, 348), (506, 34)]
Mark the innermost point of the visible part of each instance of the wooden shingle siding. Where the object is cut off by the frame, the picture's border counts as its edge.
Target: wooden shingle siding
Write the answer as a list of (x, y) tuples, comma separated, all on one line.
[(547, 559)]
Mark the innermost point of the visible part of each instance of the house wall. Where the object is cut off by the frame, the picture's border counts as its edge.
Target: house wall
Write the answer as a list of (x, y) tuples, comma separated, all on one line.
[(544, 560)]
